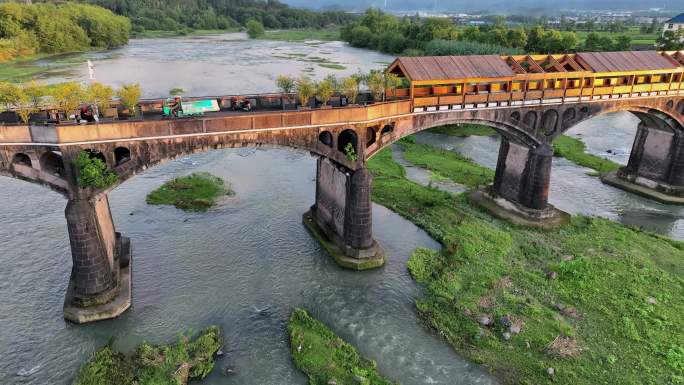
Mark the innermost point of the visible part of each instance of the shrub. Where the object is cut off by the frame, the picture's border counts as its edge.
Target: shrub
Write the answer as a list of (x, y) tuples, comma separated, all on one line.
[(305, 89), (130, 95), (92, 172), (254, 28)]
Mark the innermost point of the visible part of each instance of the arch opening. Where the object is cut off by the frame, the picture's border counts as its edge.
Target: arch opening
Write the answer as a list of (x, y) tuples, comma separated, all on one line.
[(345, 138), (22, 159), (95, 154), (530, 119), (549, 122), (326, 138), (680, 107), (121, 155), (387, 129), (52, 163), (370, 135)]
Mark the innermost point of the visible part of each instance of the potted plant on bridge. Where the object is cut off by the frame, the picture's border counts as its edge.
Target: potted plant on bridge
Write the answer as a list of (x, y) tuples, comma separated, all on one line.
[(305, 91), (324, 91), (129, 94), (349, 87), (101, 96), (9, 97), (286, 84), (376, 85), (67, 97)]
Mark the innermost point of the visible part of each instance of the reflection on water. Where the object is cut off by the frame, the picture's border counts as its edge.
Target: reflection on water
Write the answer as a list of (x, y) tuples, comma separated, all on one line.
[(243, 266), (572, 189), (221, 64)]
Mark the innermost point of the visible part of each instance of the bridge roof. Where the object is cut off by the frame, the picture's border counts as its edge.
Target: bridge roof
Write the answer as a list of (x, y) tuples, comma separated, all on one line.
[(453, 67), (625, 61)]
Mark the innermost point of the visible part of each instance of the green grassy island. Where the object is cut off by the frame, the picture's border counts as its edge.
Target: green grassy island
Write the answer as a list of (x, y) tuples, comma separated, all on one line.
[(594, 302), (191, 358), (446, 164), (325, 358), (575, 151), (195, 192)]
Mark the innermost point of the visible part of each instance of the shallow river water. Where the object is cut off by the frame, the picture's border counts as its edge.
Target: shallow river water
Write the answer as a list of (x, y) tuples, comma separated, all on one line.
[(243, 266), (246, 264)]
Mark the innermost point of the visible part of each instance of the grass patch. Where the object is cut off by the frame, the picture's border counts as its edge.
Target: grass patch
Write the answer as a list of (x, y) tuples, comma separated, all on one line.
[(598, 301), (333, 66), (294, 35), (191, 358), (195, 192), (446, 164), (323, 356), (575, 151), (154, 34), (464, 130)]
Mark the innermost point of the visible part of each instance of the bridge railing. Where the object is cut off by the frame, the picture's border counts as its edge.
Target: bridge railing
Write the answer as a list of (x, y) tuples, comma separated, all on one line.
[(209, 124)]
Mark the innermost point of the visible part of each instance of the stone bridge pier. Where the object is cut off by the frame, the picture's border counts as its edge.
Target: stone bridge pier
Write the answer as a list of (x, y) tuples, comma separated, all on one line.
[(100, 283), (520, 192), (341, 217), (656, 163)]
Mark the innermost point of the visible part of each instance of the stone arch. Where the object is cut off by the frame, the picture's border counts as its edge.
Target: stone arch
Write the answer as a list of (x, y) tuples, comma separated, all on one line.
[(387, 129), (326, 138), (96, 154), (22, 159), (346, 137), (530, 119), (52, 163), (549, 122), (121, 155), (371, 133), (680, 107), (568, 116), (515, 117), (670, 105)]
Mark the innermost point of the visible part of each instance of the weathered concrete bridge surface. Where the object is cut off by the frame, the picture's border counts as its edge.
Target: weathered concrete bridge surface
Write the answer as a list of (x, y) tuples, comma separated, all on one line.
[(341, 216)]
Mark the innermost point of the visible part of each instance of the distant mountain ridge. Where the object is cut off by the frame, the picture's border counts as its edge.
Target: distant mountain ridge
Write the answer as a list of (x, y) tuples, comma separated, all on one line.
[(531, 6)]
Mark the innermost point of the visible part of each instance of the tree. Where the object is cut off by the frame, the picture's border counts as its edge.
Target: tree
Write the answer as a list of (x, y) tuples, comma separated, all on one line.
[(593, 42), (517, 38), (35, 92), (361, 36), (305, 89), (569, 42), (376, 84), (129, 94), (67, 96), (254, 28), (100, 95), (325, 90), (285, 83), (10, 94), (623, 43), (534, 39), (392, 82), (24, 106), (349, 87), (670, 41)]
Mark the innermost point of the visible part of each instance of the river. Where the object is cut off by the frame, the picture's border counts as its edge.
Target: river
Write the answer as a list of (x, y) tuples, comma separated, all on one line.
[(246, 264), (242, 266)]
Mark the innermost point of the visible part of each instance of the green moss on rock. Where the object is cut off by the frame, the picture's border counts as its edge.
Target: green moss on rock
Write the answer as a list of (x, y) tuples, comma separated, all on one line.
[(324, 357), (190, 358), (195, 192)]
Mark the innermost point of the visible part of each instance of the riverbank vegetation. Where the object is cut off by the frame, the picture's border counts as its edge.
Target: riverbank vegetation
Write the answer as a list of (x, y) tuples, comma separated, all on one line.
[(444, 164), (464, 130), (92, 171), (325, 358), (575, 151), (195, 192), (191, 358), (295, 35), (591, 303), (440, 36), (45, 28), (179, 15)]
